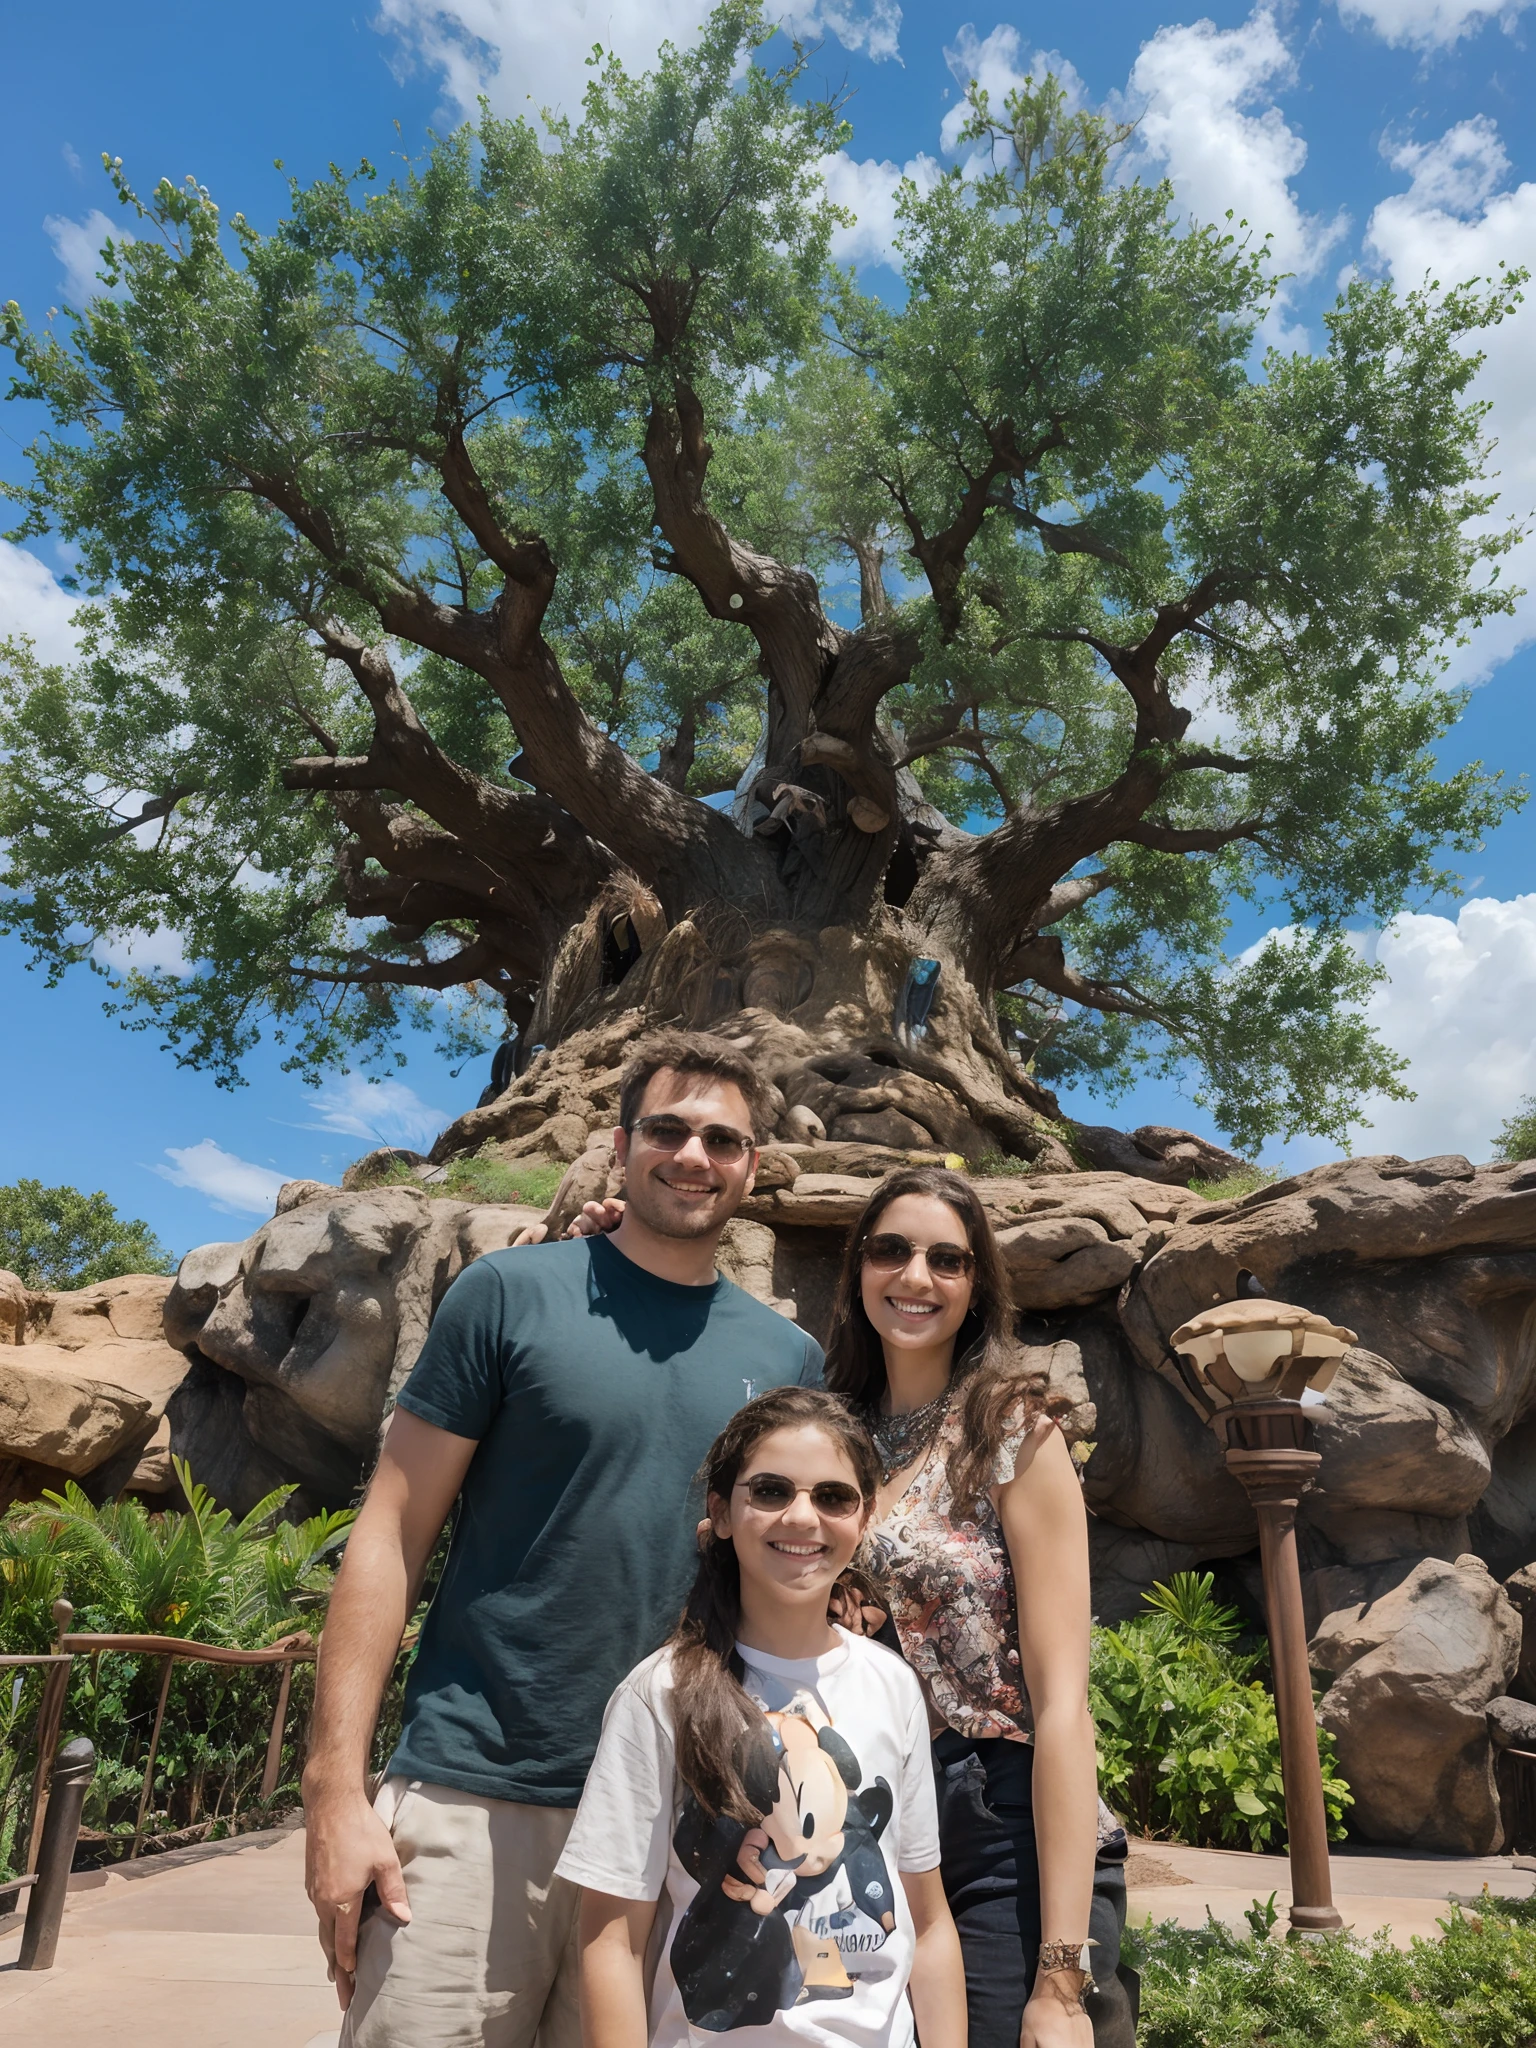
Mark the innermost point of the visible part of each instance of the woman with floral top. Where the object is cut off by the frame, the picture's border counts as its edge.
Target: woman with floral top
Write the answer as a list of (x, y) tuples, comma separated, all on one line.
[(979, 1538)]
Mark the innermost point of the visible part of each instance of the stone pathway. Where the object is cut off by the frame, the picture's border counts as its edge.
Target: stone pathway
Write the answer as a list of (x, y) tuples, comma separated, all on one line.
[(1406, 1893), (215, 1947)]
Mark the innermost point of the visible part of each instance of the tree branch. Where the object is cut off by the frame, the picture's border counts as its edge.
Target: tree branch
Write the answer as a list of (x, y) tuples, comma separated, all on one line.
[(1072, 894), (1170, 839), (1042, 959), (157, 807)]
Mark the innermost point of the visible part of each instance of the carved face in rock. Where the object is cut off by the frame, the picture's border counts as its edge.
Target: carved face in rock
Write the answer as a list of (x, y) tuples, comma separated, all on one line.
[(333, 1301)]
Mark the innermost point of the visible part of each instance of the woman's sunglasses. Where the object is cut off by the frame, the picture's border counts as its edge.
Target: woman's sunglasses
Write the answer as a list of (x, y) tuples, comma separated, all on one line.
[(671, 1134), (888, 1253), (833, 1497)]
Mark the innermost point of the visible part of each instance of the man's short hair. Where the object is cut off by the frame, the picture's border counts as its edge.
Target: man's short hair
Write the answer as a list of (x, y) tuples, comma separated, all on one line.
[(695, 1052)]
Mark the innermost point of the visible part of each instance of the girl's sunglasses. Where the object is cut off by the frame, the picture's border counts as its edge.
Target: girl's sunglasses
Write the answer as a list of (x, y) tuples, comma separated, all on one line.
[(833, 1497), (888, 1253), (671, 1134)]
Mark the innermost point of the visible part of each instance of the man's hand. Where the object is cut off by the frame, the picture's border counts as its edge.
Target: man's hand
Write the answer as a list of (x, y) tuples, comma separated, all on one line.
[(347, 1848), (593, 1218)]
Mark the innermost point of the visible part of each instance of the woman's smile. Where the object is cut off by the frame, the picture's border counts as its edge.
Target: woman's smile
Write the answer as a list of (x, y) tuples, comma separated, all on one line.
[(915, 1309)]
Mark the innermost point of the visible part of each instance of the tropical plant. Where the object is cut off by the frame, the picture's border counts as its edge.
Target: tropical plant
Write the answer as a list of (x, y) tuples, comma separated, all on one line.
[(1208, 1987), (58, 1237), (460, 545), (203, 1575), (1189, 1746)]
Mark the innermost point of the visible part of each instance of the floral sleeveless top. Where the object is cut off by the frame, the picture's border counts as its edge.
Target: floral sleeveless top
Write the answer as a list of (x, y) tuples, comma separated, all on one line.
[(952, 1594)]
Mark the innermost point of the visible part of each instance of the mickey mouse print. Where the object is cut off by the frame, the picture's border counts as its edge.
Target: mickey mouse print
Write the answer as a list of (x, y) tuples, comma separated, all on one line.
[(796, 1926), (789, 1911)]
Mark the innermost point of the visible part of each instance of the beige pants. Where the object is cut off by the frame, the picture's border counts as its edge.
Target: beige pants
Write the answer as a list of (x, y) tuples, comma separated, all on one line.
[(489, 1957)]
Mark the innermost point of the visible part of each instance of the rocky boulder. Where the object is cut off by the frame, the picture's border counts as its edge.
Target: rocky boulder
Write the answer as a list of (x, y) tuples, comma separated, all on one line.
[(1416, 1651), (1520, 1591), (1512, 1723), (89, 1373), (300, 1337), (62, 1422)]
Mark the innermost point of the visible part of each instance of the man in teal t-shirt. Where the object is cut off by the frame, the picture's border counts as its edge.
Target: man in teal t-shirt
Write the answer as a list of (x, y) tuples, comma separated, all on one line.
[(566, 1396)]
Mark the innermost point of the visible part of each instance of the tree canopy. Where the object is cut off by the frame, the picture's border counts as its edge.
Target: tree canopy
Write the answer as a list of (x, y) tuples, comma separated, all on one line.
[(558, 512), (59, 1237)]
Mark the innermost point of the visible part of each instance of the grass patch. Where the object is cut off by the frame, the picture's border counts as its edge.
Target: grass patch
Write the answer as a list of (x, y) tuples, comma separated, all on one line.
[(1001, 1166), (995, 1164), (1474, 1988), (482, 1178), (1235, 1185)]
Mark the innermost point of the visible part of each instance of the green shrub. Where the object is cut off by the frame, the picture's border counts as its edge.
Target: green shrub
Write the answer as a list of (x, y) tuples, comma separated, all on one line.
[(1234, 1186), (1517, 1136), (202, 1574), (1210, 1988), (1189, 1746)]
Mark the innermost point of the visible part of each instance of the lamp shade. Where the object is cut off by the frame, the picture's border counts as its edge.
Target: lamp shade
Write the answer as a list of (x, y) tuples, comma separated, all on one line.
[(1252, 1350)]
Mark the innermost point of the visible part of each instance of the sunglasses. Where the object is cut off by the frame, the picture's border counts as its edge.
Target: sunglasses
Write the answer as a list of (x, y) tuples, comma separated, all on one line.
[(670, 1134), (889, 1252), (834, 1497)]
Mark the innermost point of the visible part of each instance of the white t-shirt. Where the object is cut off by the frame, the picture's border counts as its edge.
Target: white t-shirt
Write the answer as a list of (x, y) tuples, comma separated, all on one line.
[(844, 1777)]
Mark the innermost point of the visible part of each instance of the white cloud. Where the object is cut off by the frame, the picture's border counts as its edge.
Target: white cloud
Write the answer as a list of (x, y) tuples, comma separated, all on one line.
[(997, 63), (1459, 1006), (524, 57), (1199, 95), (229, 1182), (1422, 24), (31, 602), (868, 190), (1458, 220), (154, 952), (383, 1112), (78, 244)]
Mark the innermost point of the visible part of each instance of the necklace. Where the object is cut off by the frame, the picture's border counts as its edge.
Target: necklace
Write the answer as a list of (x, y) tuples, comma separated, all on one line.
[(901, 1438)]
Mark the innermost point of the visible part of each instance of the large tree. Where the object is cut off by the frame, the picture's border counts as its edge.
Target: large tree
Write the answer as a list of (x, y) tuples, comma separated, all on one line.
[(546, 575)]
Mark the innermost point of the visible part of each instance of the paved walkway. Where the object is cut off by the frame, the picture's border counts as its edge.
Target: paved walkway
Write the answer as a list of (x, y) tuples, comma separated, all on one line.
[(216, 1952), (1407, 1893), (215, 1947)]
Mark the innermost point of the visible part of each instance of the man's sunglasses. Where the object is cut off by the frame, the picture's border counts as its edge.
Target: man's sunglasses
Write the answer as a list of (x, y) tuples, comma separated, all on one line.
[(670, 1134), (889, 1252), (834, 1497)]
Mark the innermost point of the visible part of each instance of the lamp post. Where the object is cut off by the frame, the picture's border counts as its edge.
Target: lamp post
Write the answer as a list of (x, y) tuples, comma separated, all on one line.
[(1253, 1360)]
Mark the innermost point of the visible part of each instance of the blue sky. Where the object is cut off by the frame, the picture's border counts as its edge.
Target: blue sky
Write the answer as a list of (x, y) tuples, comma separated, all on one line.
[(1394, 135)]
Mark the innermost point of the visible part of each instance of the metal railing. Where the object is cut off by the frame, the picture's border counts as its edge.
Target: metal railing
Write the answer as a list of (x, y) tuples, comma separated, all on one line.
[(288, 1651), (50, 1715)]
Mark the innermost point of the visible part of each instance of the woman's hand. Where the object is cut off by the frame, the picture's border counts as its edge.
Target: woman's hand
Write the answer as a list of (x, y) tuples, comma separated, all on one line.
[(1054, 2016)]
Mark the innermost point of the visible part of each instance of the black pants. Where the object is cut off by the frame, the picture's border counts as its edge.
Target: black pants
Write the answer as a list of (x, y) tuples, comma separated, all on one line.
[(992, 1879)]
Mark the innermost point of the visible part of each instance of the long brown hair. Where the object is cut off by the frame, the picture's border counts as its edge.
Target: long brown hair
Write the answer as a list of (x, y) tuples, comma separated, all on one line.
[(994, 1392), (710, 1708)]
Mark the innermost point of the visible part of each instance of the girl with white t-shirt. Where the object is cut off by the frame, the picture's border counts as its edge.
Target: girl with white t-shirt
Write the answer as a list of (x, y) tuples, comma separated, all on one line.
[(758, 1838)]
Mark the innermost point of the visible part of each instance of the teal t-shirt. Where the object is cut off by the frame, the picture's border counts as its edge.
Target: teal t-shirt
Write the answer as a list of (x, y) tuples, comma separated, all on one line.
[(594, 1390)]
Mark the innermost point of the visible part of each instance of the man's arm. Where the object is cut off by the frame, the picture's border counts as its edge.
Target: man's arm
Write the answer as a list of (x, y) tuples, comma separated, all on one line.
[(348, 1847)]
